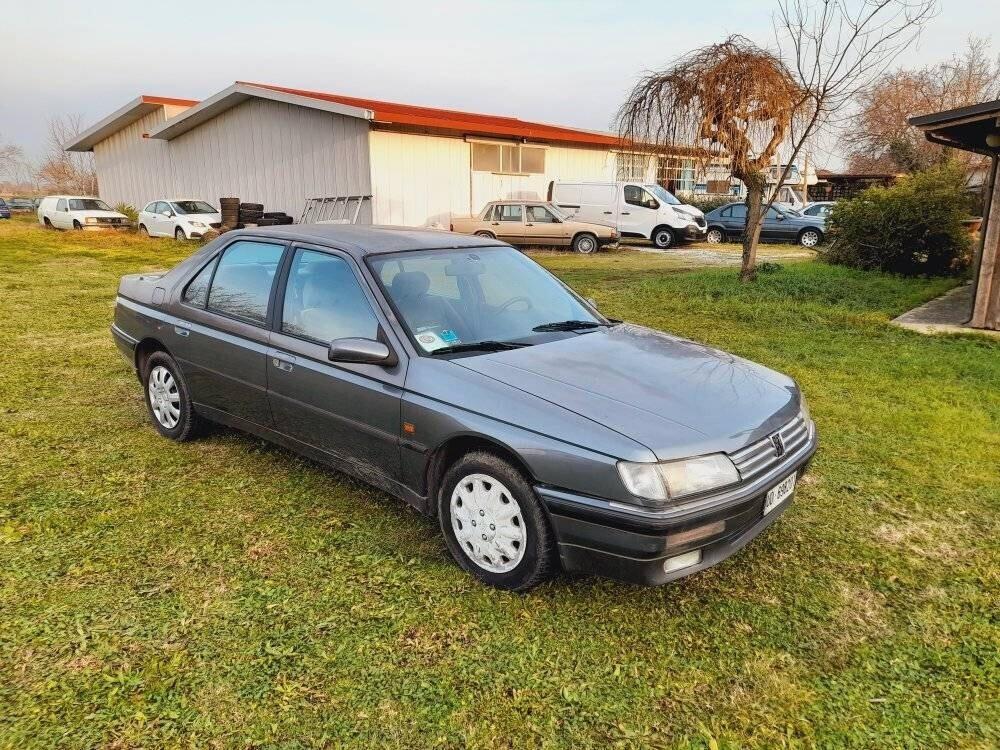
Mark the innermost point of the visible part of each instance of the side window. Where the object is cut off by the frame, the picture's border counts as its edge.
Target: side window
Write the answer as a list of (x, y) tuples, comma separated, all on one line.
[(197, 290), (150, 208), (726, 212), (490, 214), (61, 204), (636, 196), (161, 207), (510, 212), (773, 213), (540, 215), (739, 211), (324, 301), (242, 283)]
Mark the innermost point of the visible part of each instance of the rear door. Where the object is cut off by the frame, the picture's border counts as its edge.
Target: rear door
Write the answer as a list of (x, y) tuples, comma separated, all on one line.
[(349, 411), (509, 219), (735, 219), (223, 350)]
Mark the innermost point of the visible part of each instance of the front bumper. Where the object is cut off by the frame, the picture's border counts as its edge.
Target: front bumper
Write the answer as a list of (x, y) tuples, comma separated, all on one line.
[(694, 233), (632, 544)]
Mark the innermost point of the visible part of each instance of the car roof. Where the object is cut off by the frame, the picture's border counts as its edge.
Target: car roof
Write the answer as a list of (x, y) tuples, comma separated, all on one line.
[(364, 240), (532, 202)]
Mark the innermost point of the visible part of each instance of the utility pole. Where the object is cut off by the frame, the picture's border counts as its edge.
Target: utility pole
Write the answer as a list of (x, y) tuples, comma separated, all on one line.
[(805, 178)]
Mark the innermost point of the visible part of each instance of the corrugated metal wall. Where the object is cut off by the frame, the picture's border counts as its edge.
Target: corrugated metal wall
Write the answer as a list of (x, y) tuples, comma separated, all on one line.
[(422, 180), (261, 151)]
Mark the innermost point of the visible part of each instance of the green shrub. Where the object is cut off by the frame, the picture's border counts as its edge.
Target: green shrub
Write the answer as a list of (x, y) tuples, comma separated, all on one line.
[(129, 210), (912, 228)]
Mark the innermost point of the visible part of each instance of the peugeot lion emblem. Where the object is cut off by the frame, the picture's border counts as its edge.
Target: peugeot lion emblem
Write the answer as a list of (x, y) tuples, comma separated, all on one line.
[(779, 445)]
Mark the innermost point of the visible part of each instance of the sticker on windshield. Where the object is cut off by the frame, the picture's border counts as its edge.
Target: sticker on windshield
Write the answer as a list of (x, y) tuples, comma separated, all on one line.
[(449, 336), (430, 341)]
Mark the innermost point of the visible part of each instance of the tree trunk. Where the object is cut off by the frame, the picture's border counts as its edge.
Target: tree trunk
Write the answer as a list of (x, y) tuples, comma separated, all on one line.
[(751, 235)]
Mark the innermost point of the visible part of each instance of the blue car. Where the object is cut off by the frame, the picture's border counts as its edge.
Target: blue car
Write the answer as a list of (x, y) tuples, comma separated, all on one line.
[(728, 222), (4, 210)]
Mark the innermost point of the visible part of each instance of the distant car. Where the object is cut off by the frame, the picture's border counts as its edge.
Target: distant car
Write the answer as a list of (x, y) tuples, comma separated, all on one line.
[(729, 221), (4, 209), (821, 209), (180, 218), (457, 374), (17, 205), (536, 223), (79, 212)]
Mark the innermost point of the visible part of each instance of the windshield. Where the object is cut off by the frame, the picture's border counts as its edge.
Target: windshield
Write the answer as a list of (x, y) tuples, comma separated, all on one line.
[(87, 204), (451, 297), (193, 207), (663, 194)]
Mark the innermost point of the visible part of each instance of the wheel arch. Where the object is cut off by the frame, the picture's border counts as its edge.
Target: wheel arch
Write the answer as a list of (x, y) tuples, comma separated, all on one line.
[(447, 453), (817, 230), (672, 230), (144, 349)]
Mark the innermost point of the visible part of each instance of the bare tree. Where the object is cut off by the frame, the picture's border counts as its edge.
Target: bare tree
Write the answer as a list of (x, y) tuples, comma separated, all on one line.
[(64, 171), (733, 100), (16, 171), (880, 137)]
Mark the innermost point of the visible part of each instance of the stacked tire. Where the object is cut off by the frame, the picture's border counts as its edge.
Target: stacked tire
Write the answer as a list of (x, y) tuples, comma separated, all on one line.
[(251, 213), (230, 210), (274, 218)]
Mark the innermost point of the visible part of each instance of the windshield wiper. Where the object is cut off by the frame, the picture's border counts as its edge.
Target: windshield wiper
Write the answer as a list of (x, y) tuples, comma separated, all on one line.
[(478, 346), (568, 325)]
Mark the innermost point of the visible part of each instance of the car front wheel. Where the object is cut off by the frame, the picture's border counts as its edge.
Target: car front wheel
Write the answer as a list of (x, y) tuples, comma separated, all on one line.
[(714, 236), (179, 234), (810, 238), (494, 525), (585, 244), (664, 238), (167, 398)]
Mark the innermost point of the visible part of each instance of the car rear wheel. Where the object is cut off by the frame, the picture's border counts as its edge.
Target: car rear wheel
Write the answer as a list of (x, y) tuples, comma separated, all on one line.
[(663, 238), (484, 233), (167, 398), (77, 225), (494, 525), (715, 236), (585, 244), (143, 231), (810, 238), (48, 224), (179, 234)]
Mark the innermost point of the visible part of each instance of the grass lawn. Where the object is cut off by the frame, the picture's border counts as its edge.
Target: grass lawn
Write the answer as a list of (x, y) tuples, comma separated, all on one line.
[(225, 593)]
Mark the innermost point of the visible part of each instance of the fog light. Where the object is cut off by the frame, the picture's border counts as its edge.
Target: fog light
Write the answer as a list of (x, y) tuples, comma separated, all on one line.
[(682, 561)]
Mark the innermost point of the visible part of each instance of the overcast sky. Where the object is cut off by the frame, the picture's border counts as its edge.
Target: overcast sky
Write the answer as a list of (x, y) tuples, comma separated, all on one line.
[(564, 61)]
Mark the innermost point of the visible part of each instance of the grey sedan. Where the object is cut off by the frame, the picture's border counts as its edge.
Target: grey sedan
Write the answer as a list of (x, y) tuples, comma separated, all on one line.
[(455, 373)]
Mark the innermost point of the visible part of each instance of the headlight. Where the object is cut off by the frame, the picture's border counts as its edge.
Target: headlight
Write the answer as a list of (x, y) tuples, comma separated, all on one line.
[(676, 479), (90, 220), (196, 223)]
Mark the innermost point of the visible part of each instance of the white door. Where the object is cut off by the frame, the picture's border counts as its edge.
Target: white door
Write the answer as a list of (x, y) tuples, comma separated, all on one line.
[(163, 223), (638, 211), (60, 217)]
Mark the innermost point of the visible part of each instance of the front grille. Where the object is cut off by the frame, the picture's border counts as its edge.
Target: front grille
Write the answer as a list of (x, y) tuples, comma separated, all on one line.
[(762, 456), (215, 224), (108, 220)]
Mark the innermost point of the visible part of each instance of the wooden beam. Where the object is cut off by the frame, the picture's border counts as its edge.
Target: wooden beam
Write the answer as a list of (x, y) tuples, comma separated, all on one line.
[(986, 313)]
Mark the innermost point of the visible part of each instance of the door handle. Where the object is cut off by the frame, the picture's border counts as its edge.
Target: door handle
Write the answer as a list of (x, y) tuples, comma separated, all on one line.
[(609, 212), (495, 223), (283, 364), (529, 225), (626, 213), (182, 331)]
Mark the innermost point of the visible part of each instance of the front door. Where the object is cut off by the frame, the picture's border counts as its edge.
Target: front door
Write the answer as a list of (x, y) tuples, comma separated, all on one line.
[(349, 411), (775, 225), (161, 220), (223, 349), (639, 212), (541, 227)]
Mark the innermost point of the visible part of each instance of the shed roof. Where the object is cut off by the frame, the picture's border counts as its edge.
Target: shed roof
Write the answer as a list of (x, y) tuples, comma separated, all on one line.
[(964, 128), (136, 109)]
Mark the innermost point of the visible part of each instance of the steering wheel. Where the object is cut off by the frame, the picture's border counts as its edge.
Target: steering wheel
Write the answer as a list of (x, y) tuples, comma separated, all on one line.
[(515, 300)]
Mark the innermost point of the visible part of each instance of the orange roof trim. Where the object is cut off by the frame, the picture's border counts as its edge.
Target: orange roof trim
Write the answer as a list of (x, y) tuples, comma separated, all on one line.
[(146, 99), (452, 120)]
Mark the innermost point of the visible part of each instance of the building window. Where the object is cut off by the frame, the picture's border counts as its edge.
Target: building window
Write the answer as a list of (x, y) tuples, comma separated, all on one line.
[(508, 158), (676, 175), (631, 166)]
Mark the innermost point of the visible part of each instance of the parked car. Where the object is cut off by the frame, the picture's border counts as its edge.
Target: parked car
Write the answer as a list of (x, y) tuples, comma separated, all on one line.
[(535, 223), (729, 221), (79, 212), (17, 205), (182, 219), (822, 209), (4, 209), (637, 209), (457, 374)]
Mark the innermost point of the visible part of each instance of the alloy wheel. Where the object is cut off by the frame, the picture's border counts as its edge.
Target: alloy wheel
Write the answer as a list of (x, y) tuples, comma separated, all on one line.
[(164, 397), (586, 245), (714, 236), (809, 239), (488, 523)]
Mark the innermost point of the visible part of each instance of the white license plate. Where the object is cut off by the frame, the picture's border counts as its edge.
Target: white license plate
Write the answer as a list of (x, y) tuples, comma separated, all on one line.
[(779, 493)]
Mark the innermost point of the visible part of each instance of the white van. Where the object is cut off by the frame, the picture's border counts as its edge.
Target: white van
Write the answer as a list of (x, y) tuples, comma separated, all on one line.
[(638, 209), (79, 212)]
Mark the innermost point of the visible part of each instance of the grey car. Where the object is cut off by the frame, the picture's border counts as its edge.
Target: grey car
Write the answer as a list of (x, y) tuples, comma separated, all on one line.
[(730, 220), (457, 374)]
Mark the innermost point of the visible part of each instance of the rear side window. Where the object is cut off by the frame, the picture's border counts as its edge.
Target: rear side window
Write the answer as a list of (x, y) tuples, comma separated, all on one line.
[(197, 291), (243, 280)]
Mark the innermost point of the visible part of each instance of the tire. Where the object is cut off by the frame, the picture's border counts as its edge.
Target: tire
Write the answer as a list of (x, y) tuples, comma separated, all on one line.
[(47, 223), (252, 207), (525, 554), (487, 235), (77, 225), (715, 236), (585, 244), (163, 387), (274, 214), (179, 234), (664, 238), (143, 232), (810, 237)]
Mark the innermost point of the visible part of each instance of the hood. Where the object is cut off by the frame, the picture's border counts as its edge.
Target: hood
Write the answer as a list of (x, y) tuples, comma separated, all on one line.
[(674, 396), (692, 211)]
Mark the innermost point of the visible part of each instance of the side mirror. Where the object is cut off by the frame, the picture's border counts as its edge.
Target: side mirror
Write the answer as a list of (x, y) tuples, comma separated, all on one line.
[(361, 351)]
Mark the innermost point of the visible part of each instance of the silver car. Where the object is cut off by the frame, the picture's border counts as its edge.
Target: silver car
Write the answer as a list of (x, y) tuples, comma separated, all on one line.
[(457, 374)]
